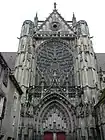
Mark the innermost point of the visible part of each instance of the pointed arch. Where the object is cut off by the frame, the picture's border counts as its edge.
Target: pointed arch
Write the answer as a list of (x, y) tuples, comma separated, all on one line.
[(62, 104)]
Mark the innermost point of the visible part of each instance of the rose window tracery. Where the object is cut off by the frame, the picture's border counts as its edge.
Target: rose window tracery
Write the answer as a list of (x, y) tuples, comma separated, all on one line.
[(55, 56)]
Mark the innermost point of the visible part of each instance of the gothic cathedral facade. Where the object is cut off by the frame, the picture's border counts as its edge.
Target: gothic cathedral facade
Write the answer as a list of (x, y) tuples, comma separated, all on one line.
[(56, 68)]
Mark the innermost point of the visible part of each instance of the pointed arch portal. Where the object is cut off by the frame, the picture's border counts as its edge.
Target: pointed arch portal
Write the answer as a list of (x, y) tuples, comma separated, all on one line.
[(55, 114)]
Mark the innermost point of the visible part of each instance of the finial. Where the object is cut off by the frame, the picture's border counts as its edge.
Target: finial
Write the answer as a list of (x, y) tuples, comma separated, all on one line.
[(36, 15), (36, 20), (74, 16), (74, 19), (55, 5)]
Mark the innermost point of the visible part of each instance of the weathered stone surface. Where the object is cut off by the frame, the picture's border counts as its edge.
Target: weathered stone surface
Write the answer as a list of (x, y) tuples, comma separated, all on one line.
[(56, 68)]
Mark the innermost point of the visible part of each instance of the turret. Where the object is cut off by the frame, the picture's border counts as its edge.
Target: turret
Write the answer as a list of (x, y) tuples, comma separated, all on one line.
[(27, 28), (82, 28), (24, 57), (86, 74), (87, 60)]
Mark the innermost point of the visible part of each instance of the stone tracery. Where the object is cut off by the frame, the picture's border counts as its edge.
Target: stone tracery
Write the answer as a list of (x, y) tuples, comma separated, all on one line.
[(55, 56), (52, 102)]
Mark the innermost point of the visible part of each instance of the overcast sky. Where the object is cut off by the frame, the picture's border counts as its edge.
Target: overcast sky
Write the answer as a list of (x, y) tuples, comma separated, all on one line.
[(14, 12)]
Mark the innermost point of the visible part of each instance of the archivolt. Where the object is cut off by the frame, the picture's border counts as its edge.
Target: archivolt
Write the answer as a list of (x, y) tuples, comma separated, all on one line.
[(64, 105), (50, 106)]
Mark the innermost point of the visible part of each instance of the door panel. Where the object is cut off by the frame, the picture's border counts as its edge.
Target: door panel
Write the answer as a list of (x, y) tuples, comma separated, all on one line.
[(48, 136), (61, 136)]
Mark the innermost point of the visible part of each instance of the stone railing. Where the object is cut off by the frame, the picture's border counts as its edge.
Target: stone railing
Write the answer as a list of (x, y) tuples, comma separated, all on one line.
[(46, 34)]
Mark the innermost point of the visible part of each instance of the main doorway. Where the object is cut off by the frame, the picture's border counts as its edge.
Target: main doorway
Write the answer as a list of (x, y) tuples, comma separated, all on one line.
[(48, 136), (54, 136), (61, 136)]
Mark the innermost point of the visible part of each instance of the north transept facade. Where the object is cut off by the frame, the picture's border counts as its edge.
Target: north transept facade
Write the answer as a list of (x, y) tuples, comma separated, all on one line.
[(57, 70)]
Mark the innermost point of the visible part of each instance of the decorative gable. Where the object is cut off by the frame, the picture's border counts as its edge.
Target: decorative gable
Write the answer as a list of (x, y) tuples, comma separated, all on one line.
[(55, 22)]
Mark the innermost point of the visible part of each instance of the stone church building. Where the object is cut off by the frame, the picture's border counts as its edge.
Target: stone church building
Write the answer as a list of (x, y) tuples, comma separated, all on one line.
[(62, 80)]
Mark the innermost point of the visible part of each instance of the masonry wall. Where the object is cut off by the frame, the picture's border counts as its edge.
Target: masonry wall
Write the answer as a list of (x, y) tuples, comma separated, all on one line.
[(100, 119), (8, 123)]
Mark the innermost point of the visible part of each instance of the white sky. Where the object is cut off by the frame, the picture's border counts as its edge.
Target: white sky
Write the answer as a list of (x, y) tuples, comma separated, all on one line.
[(14, 12)]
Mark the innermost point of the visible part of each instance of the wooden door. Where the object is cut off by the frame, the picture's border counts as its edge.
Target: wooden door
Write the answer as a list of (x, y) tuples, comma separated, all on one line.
[(61, 136), (48, 136)]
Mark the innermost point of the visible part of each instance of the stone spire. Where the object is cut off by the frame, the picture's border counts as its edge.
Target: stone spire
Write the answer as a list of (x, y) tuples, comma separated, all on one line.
[(74, 19), (36, 20)]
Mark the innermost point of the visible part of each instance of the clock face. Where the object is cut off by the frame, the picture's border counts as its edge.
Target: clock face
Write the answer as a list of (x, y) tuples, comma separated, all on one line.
[(55, 26)]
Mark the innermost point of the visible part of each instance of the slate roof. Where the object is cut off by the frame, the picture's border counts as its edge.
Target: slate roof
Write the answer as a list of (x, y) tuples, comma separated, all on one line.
[(11, 56), (101, 60)]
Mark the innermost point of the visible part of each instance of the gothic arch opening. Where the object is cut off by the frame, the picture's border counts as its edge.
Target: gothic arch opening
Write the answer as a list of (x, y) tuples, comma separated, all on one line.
[(55, 114)]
